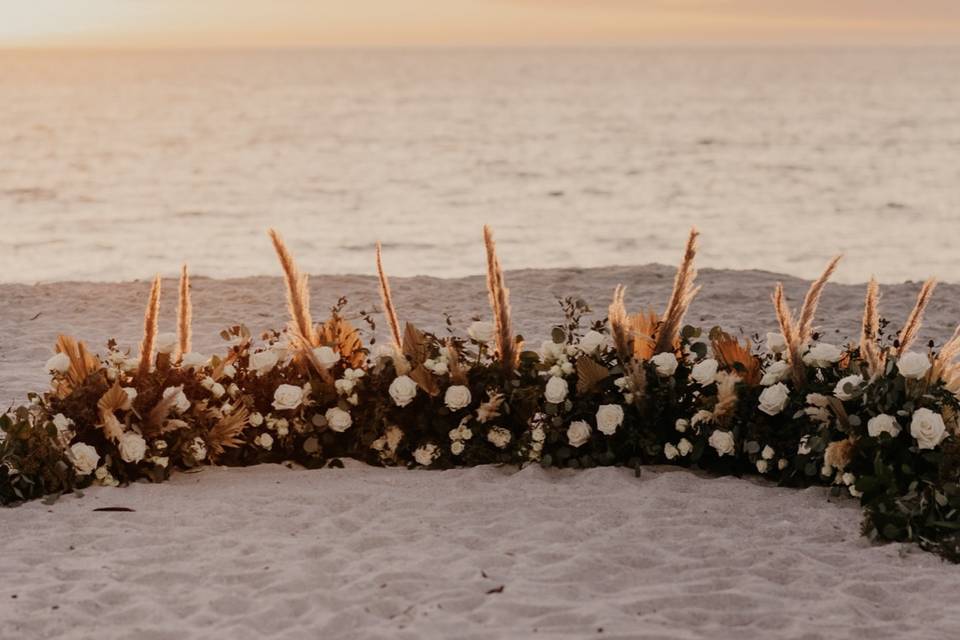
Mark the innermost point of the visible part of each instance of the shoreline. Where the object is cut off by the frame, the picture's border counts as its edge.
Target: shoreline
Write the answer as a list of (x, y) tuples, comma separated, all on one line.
[(33, 315)]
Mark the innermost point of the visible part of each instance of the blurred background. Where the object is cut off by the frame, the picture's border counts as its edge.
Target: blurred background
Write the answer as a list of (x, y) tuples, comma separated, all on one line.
[(137, 135)]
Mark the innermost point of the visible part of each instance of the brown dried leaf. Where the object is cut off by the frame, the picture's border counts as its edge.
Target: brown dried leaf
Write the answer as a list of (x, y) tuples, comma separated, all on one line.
[(590, 374), (113, 399), (729, 352), (414, 345), (425, 380), (339, 334), (226, 433), (154, 424)]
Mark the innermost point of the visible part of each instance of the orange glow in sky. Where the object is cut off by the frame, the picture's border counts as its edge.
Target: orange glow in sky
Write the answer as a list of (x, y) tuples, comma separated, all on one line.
[(279, 23)]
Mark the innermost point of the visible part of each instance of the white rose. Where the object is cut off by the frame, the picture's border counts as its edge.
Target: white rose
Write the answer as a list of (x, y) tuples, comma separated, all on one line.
[(913, 365), (326, 357), (287, 397), (762, 466), (684, 447), (229, 371), (767, 453), (670, 452), (551, 351), (776, 343), (263, 362), (480, 331), (426, 454), (853, 382), (774, 399), (928, 428), (132, 447), (437, 367), (198, 449), (403, 390), (338, 419), (264, 440), (59, 363), (705, 372), (609, 418), (556, 390), (344, 386), (131, 396), (181, 402), (666, 363), (681, 425), (256, 419), (85, 458), (457, 397), (722, 441), (883, 424), (193, 361), (776, 372), (62, 423), (592, 341), (217, 390), (499, 437), (167, 343), (822, 355), (457, 447), (578, 433)]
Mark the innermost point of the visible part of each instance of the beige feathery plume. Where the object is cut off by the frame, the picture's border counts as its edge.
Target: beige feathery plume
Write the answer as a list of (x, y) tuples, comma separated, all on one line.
[(912, 327), (507, 351), (388, 309), (683, 293), (870, 329), (150, 321), (726, 395), (298, 294), (619, 326), (790, 333), (809, 309), (184, 315)]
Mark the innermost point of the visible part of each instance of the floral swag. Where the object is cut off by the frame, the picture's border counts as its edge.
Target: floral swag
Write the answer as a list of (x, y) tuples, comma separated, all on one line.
[(877, 420)]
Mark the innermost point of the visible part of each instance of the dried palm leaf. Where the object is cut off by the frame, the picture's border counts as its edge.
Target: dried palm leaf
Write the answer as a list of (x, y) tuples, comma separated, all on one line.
[(154, 424), (683, 293), (425, 380), (414, 345), (812, 300), (151, 318), (115, 398), (910, 330), (388, 309), (507, 350), (870, 329), (225, 434), (339, 334), (298, 295), (458, 375), (184, 316), (736, 356), (590, 374), (82, 365)]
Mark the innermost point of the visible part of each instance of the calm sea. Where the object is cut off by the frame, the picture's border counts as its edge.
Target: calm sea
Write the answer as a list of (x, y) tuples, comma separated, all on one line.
[(118, 165)]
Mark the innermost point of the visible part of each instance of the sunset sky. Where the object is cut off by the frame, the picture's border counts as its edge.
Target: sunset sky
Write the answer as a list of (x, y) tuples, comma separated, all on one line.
[(278, 23)]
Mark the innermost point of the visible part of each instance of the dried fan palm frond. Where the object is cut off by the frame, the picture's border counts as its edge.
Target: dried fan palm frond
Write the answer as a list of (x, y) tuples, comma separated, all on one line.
[(507, 350), (339, 334), (414, 345), (425, 380), (388, 309), (911, 328), (226, 433), (590, 374), (82, 365), (811, 301), (683, 293), (151, 319), (726, 396), (115, 398), (870, 329), (733, 355), (184, 316), (154, 424), (790, 333), (458, 374), (298, 295)]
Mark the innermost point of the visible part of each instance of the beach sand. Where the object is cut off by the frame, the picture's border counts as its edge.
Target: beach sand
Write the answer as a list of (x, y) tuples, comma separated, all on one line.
[(473, 553)]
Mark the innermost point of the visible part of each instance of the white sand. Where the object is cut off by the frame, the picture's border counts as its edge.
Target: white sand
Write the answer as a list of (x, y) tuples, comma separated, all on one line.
[(385, 553)]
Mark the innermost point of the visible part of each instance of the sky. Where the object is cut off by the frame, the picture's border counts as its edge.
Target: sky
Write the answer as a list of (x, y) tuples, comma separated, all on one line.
[(364, 23)]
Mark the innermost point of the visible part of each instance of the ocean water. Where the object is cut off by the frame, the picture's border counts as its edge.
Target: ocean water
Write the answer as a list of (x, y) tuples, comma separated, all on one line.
[(119, 165)]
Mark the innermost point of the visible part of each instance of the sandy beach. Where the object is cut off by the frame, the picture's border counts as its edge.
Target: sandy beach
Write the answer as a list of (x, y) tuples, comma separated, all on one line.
[(376, 553)]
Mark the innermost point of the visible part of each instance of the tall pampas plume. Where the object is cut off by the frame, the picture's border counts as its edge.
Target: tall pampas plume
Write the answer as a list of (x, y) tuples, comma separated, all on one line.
[(298, 294), (388, 309), (790, 333), (619, 329), (683, 293), (184, 315), (912, 327), (810, 302), (500, 305), (870, 328), (151, 318)]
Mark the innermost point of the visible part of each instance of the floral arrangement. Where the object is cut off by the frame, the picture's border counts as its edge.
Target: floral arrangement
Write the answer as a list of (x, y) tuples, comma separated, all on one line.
[(877, 420)]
